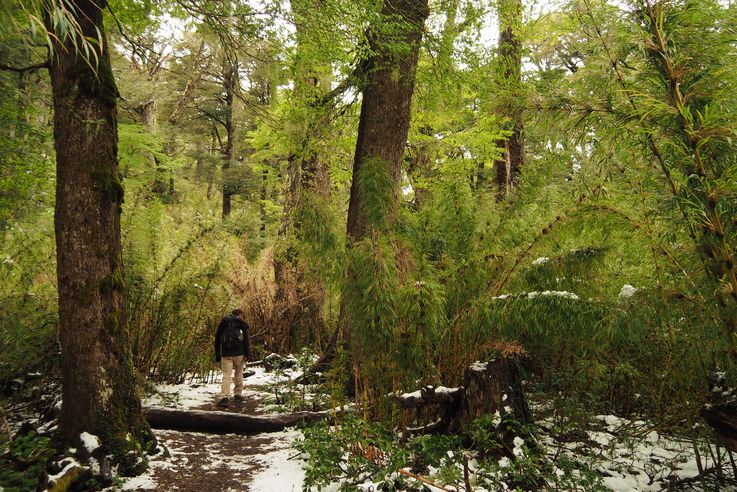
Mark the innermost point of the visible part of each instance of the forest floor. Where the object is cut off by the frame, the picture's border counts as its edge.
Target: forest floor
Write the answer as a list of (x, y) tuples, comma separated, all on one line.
[(207, 462), (609, 453), (616, 453)]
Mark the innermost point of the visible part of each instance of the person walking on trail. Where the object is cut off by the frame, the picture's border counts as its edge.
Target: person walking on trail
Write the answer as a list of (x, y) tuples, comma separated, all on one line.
[(232, 350)]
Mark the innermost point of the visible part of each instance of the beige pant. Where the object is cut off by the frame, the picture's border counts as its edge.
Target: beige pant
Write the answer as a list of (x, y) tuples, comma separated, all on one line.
[(230, 364)]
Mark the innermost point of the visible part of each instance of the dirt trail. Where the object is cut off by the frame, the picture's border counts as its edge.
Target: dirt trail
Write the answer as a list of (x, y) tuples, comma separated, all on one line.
[(205, 462), (216, 462)]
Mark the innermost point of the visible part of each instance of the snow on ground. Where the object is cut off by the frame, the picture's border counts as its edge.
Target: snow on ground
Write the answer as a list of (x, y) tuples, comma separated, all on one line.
[(625, 454), (197, 461), (282, 469), (200, 394), (630, 457)]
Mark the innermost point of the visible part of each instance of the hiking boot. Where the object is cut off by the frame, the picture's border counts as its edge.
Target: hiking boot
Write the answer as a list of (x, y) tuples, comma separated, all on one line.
[(223, 402), (238, 398)]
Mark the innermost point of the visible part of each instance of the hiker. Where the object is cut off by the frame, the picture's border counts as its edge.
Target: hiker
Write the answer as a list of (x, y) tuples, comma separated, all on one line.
[(232, 351)]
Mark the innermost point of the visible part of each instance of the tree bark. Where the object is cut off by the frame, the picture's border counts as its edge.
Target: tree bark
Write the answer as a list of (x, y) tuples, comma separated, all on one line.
[(385, 109), (98, 384), (147, 112), (229, 84), (262, 203), (510, 60), (489, 388)]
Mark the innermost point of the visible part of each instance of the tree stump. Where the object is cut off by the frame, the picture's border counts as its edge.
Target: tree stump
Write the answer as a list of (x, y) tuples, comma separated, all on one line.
[(488, 388), (493, 387), (720, 412)]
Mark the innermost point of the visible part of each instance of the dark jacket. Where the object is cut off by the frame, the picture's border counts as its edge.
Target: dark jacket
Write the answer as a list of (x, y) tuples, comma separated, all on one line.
[(244, 349)]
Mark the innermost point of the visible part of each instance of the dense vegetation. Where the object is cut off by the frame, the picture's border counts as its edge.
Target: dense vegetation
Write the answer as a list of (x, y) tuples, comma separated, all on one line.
[(603, 255)]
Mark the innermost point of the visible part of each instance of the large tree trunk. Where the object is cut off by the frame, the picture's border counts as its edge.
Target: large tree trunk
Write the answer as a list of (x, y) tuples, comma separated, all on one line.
[(385, 109), (382, 137), (382, 129), (510, 64), (98, 387)]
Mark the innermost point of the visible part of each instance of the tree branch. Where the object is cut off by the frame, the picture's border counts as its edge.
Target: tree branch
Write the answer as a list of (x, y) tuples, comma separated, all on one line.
[(38, 66)]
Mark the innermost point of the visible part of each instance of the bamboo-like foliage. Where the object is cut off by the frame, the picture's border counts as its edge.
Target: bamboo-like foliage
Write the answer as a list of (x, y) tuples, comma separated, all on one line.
[(691, 104)]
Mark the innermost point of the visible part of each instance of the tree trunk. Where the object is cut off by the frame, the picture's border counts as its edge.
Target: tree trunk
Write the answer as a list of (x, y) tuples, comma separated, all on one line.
[(262, 202), (98, 384), (382, 132), (510, 64), (382, 137), (307, 174), (229, 84), (385, 109), (147, 112)]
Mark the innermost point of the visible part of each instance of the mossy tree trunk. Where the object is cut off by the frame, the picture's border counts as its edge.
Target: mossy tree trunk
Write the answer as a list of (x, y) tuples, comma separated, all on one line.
[(308, 181), (382, 136), (98, 384), (510, 67), (230, 74)]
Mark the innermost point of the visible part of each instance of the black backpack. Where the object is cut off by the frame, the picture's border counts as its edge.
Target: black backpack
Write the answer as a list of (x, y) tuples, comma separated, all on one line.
[(232, 336)]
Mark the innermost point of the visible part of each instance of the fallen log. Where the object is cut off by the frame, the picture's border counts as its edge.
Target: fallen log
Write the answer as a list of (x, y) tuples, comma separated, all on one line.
[(226, 422)]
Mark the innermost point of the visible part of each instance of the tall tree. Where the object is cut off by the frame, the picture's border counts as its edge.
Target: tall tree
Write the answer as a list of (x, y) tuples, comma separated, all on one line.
[(307, 173), (382, 139), (510, 76), (385, 109), (230, 85), (98, 390)]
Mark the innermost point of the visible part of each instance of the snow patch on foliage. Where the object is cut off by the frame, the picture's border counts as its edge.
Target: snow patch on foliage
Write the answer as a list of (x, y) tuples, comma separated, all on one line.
[(534, 295)]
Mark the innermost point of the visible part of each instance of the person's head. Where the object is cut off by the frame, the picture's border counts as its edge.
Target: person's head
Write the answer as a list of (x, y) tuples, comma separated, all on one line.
[(238, 313)]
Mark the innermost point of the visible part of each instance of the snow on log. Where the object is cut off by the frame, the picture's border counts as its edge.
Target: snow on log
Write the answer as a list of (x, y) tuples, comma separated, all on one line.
[(429, 395), (225, 422), (723, 419)]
